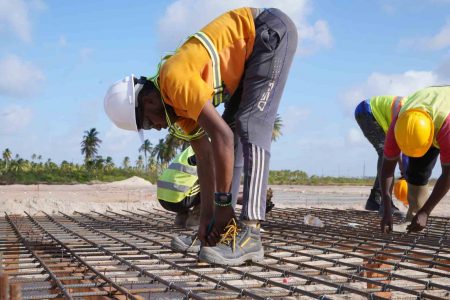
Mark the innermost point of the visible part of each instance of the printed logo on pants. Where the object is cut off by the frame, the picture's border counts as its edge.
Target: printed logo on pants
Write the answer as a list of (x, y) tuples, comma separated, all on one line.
[(263, 101), (274, 75)]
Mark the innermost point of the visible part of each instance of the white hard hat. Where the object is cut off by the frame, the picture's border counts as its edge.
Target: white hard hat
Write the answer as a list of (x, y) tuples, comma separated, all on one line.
[(121, 102)]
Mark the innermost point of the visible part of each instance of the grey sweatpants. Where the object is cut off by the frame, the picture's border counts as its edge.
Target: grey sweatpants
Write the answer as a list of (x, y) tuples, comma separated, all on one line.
[(253, 107)]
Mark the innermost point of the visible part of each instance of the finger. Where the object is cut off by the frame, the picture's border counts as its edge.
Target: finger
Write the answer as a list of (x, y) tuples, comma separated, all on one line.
[(202, 239), (211, 241), (215, 233), (413, 227), (382, 227), (408, 228)]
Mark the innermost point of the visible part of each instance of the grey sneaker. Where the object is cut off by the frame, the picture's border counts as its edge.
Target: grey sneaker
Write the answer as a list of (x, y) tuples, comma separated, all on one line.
[(193, 217), (185, 243), (180, 219), (238, 245)]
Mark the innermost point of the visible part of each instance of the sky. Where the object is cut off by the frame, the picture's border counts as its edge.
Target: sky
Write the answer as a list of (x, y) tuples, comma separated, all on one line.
[(57, 59)]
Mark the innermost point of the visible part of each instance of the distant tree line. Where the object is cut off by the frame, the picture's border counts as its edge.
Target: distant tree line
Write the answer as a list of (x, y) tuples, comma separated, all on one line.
[(151, 161), (149, 164)]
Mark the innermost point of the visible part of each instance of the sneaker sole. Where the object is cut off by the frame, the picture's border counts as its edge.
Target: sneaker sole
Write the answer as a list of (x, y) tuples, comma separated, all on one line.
[(180, 246), (208, 255)]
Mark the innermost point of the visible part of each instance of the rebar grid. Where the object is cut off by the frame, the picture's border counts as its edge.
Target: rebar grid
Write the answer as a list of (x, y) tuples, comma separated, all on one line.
[(128, 255)]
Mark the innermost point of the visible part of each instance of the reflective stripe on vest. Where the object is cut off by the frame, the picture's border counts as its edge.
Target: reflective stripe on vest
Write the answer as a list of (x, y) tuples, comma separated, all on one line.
[(217, 80), (183, 168), (173, 186)]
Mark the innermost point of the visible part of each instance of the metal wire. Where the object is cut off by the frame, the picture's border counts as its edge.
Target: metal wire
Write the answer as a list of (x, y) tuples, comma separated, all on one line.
[(128, 255)]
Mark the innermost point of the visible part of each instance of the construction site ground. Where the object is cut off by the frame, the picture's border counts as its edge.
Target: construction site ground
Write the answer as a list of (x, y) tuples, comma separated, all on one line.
[(113, 241)]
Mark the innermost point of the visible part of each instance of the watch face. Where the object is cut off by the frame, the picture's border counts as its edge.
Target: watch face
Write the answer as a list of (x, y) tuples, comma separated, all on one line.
[(223, 197)]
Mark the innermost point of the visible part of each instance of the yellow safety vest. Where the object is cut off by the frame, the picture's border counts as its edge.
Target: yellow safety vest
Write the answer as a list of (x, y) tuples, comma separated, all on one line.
[(179, 180), (435, 100)]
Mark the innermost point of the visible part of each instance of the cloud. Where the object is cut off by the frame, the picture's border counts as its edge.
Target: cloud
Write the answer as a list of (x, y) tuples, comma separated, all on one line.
[(19, 79), (443, 70), (14, 17), (118, 140), (14, 118), (184, 17), (439, 41), (388, 84), (355, 137)]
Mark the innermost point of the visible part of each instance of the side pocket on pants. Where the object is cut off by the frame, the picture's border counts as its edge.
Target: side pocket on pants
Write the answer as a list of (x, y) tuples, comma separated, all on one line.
[(270, 38)]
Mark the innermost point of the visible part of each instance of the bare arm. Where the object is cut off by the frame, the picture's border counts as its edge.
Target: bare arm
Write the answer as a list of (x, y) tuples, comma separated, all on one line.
[(439, 191), (215, 162), (441, 188), (222, 143), (206, 174)]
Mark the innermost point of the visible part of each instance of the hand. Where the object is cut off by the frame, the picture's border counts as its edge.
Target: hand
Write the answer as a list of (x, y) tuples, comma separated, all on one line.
[(204, 229), (386, 224), (222, 217), (418, 223)]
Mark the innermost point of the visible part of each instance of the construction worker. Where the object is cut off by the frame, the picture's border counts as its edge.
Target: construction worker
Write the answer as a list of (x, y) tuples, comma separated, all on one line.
[(242, 57), (373, 117), (178, 189), (422, 131)]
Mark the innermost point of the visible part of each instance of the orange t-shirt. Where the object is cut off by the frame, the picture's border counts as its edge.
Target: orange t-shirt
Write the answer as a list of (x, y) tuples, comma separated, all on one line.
[(186, 78)]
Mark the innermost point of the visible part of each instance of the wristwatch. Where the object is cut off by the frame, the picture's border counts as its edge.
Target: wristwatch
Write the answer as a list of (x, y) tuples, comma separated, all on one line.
[(222, 199)]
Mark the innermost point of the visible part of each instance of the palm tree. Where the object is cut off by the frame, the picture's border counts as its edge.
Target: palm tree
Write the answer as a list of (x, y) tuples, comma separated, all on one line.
[(146, 147), (276, 132), (140, 163), (33, 157), (90, 144), (173, 144), (159, 151), (176, 143), (98, 162), (109, 164), (126, 162), (7, 156)]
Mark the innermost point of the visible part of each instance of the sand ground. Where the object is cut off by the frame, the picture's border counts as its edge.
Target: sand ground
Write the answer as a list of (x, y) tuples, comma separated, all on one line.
[(137, 193)]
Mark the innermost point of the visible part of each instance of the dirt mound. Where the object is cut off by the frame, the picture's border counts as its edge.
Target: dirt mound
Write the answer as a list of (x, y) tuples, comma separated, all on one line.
[(134, 181)]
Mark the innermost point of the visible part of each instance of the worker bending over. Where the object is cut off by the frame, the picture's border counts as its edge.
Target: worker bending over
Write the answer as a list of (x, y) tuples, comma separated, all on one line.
[(374, 116), (242, 57), (422, 131)]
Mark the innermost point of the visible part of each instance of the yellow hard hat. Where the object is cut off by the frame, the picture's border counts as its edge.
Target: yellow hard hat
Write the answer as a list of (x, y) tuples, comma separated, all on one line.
[(401, 191), (414, 132)]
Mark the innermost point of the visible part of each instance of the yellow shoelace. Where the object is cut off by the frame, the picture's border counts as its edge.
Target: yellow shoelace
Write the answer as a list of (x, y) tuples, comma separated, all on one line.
[(229, 236), (193, 242)]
